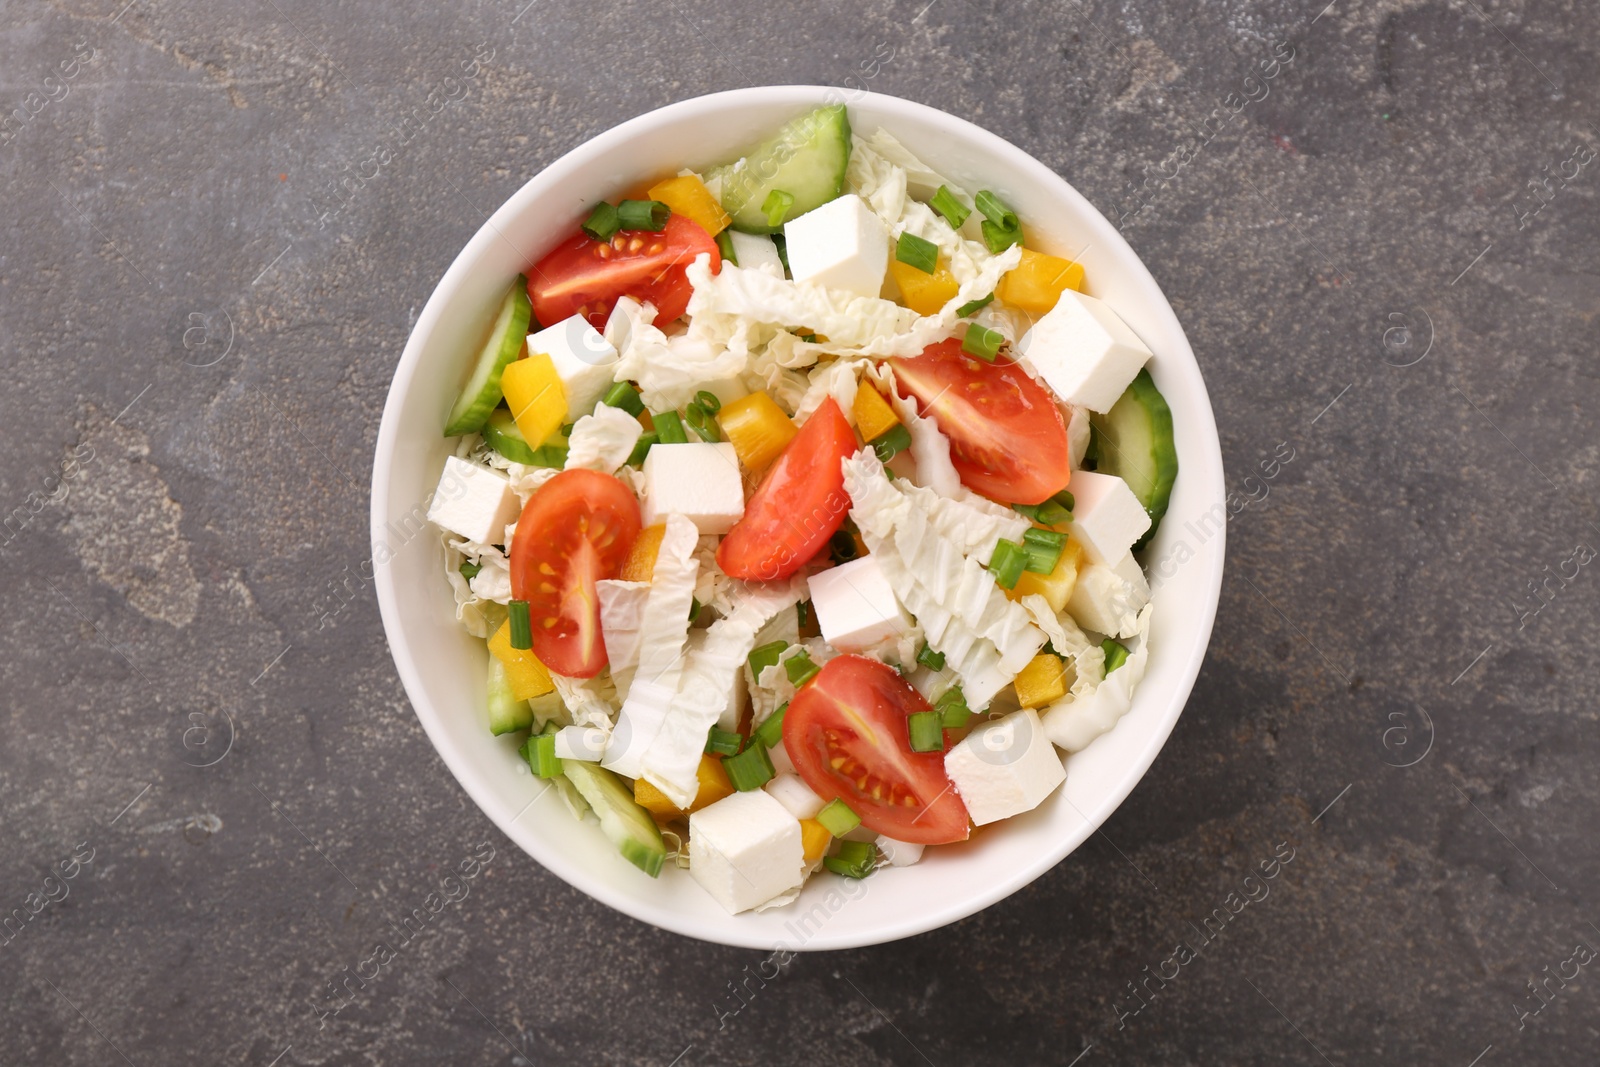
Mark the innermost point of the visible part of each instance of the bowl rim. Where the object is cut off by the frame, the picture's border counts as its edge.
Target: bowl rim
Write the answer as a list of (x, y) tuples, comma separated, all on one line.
[(460, 763)]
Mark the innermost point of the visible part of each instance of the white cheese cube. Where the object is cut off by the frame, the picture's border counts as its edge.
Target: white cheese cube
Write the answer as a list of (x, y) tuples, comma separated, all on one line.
[(899, 853), (1127, 568), (586, 743), (855, 606), (796, 797), (745, 849), (840, 245), (1106, 517), (697, 480), (1103, 601), (1084, 351), (1004, 767), (583, 360), (756, 251), (473, 502)]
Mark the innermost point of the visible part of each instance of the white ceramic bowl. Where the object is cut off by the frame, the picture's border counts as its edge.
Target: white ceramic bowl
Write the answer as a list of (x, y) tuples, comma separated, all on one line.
[(442, 667)]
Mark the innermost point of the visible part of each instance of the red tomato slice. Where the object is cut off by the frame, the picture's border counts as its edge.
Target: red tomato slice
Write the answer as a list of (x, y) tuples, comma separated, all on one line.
[(847, 736), (1007, 440), (575, 531), (798, 505), (583, 276)]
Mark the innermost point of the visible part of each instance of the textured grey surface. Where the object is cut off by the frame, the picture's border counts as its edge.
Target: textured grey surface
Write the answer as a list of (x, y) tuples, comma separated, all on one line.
[(192, 317)]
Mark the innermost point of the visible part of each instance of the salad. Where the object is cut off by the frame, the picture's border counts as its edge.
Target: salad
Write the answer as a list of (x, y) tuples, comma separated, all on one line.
[(796, 501)]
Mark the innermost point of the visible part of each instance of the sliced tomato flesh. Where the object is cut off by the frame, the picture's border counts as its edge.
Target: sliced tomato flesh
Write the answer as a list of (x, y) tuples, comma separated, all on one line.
[(577, 530), (799, 504), (846, 733), (1007, 438), (582, 276)]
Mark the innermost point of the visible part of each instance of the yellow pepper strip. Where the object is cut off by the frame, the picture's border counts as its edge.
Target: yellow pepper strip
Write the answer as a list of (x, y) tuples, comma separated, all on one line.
[(640, 565), (814, 838), (1055, 587), (528, 677), (757, 429), (1037, 282), (924, 293), (714, 785), (689, 197), (1043, 681), (874, 416), (535, 396)]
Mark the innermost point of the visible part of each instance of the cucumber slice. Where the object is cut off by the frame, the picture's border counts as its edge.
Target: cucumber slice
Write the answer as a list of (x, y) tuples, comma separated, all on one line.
[(622, 820), (806, 159), (507, 714), (1134, 442), (501, 434), (482, 392)]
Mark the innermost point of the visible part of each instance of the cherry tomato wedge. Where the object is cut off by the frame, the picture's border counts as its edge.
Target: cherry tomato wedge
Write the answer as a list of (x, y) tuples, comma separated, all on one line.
[(798, 505), (575, 531), (1007, 440), (846, 734), (583, 276)]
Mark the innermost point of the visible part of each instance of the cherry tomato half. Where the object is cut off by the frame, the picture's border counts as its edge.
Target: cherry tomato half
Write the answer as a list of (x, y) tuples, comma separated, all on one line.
[(583, 276)]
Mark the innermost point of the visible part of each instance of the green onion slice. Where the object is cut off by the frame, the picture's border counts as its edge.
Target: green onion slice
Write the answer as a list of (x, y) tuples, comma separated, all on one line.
[(891, 442), (972, 307), (946, 203), (750, 769), (708, 400), (982, 342), (1007, 562), (917, 252), (770, 732), (952, 708), (602, 223), (540, 752), (766, 656), (723, 742), (1116, 654), (838, 818), (521, 628), (997, 238), (469, 570), (725, 246), (623, 395), (995, 210), (842, 546), (642, 449), (800, 668), (855, 859), (1043, 548), (669, 428), (927, 731), (701, 422), (643, 215), (930, 659)]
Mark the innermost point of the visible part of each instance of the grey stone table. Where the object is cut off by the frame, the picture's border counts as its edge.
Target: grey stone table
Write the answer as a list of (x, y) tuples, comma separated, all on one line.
[(1377, 222)]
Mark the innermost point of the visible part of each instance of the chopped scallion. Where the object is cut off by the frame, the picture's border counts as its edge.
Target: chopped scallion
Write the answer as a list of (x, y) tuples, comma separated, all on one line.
[(776, 206), (750, 769), (643, 215), (855, 859), (694, 609), (842, 546), (521, 627), (972, 307), (997, 238), (540, 752), (602, 224), (623, 395), (782, 244), (946, 203), (1050, 513), (770, 732), (708, 400), (930, 659), (469, 570), (766, 656), (1043, 548), (995, 210), (982, 342), (642, 449), (927, 731), (669, 428), (800, 668), (1116, 654), (838, 818), (1064, 498), (802, 614), (725, 247), (721, 742), (952, 708), (1007, 562), (891, 442), (701, 422), (917, 252)]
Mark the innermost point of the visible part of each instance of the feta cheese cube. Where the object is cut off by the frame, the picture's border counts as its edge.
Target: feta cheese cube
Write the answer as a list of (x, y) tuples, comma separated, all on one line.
[(473, 502), (583, 361), (1103, 601), (1127, 568), (581, 743), (855, 606), (697, 480), (840, 245), (796, 797), (899, 853), (745, 849), (1004, 767), (756, 251), (1106, 517), (1084, 351)]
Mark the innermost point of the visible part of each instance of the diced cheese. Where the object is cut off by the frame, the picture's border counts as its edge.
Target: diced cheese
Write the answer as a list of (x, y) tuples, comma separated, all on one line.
[(1074, 722), (586, 743), (899, 853), (856, 609), (756, 251), (1004, 767), (698, 480), (473, 502), (583, 360), (1104, 602), (796, 797), (1078, 433), (1127, 568), (1106, 517), (603, 441), (745, 849), (840, 245), (1084, 351)]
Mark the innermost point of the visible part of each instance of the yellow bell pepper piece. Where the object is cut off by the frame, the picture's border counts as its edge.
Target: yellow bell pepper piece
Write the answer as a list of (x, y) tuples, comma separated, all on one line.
[(757, 429), (640, 566), (874, 416), (1037, 282), (714, 785), (528, 677), (924, 293), (1043, 681), (1055, 587), (689, 197), (814, 838), (535, 396)]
